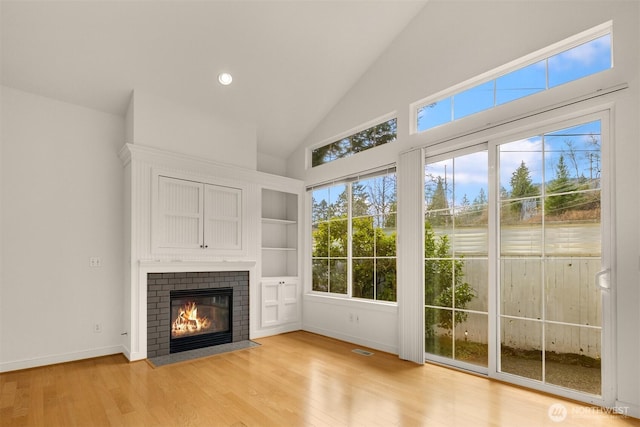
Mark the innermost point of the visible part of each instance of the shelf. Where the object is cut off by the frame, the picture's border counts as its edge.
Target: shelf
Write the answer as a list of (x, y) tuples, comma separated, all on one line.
[(279, 234), (278, 221)]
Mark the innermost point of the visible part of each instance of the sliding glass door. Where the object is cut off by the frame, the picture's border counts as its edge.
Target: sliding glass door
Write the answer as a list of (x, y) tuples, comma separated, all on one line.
[(550, 252), (456, 259), (514, 248)]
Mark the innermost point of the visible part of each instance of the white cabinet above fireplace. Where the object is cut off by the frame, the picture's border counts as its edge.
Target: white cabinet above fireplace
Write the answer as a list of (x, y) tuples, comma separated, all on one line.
[(196, 216)]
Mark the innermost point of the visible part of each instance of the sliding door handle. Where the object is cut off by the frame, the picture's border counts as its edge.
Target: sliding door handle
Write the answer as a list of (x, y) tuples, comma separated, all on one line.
[(603, 279)]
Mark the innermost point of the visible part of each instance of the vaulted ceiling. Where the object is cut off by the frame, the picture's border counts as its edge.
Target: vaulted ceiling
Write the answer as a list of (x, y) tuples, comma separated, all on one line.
[(291, 61)]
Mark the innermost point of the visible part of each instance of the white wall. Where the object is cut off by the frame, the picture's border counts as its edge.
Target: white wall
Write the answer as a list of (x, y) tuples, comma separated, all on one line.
[(450, 42), (158, 122), (61, 204), (273, 165), (358, 322)]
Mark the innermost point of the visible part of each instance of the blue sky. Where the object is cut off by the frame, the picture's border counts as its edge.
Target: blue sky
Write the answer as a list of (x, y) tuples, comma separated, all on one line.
[(540, 153), (467, 174)]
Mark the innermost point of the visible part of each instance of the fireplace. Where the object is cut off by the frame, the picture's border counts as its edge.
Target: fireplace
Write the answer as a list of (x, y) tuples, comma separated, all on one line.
[(200, 318), (208, 289)]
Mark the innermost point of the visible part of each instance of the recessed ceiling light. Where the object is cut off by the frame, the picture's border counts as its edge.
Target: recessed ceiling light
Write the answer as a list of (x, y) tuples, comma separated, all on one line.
[(225, 78)]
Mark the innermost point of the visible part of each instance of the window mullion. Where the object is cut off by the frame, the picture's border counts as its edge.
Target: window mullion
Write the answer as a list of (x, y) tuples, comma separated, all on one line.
[(349, 240)]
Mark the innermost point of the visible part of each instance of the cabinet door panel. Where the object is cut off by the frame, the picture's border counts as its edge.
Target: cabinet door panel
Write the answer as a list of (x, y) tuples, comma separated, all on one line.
[(271, 296), (223, 217), (279, 302), (180, 213), (289, 301)]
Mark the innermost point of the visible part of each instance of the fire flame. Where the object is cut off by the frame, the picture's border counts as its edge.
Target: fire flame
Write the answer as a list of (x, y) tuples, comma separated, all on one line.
[(188, 321)]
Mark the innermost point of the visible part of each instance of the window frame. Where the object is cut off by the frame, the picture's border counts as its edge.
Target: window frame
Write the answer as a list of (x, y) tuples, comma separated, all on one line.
[(599, 110), (348, 182), (349, 133), (603, 109), (543, 54)]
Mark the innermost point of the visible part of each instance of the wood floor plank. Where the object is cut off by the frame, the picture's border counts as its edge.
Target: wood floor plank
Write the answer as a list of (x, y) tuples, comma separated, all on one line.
[(296, 379)]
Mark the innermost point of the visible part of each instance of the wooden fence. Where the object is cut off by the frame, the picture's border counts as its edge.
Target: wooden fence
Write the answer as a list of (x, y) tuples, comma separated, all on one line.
[(552, 298)]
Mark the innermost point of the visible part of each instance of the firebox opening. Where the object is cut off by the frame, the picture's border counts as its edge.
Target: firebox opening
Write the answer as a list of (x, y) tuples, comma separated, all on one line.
[(200, 318)]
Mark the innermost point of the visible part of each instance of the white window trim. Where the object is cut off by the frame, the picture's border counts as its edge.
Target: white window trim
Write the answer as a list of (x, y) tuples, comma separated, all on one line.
[(364, 126), (309, 251), (532, 58), (604, 112)]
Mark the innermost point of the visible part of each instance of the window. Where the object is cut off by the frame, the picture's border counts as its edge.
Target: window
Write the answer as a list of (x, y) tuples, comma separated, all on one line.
[(354, 238), (592, 55), (374, 136)]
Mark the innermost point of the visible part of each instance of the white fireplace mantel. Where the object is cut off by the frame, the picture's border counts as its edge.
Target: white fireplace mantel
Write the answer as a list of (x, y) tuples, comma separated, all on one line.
[(146, 267), (142, 167)]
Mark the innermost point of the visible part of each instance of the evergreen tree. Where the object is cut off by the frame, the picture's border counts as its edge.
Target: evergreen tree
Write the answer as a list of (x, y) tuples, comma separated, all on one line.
[(359, 200), (439, 206), (465, 203), (439, 197), (320, 210), (464, 213), (481, 198), (363, 140), (521, 187), (568, 198)]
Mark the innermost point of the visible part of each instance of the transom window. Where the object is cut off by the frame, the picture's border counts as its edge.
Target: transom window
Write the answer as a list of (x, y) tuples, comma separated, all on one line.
[(374, 136), (568, 61), (354, 238)]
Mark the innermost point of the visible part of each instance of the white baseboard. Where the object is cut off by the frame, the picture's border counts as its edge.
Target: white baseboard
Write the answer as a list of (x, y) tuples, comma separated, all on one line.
[(628, 409), (133, 356), (282, 329), (59, 358), (126, 352), (352, 339)]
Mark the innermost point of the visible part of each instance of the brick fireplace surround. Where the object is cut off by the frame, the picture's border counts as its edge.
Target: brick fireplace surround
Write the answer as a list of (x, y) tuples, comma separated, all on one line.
[(158, 311)]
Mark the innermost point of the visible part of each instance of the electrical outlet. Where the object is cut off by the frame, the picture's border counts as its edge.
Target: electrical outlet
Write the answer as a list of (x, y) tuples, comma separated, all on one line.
[(95, 261), (97, 328)]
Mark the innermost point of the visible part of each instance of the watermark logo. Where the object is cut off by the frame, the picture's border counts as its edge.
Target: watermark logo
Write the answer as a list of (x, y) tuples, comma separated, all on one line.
[(557, 412), (594, 411)]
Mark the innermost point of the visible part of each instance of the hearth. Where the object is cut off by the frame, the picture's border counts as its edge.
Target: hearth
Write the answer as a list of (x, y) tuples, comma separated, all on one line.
[(200, 318)]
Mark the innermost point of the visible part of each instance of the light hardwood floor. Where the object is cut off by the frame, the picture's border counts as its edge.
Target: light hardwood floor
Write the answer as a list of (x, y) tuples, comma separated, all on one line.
[(296, 379)]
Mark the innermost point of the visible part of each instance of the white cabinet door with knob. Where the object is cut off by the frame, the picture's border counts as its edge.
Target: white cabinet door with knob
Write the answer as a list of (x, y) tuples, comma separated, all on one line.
[(180, 214), (222, 217), (279, 301)]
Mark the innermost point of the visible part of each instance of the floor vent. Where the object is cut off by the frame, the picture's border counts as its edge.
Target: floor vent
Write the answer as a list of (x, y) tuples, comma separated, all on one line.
[(362, 352)]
